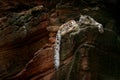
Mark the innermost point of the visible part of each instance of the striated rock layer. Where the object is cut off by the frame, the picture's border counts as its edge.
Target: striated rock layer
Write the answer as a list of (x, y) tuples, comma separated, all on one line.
[(85, 54), (21, 35), (27, 36)]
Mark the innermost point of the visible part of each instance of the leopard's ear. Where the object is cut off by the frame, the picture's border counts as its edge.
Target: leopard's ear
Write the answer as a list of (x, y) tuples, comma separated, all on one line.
[(81, 18), (87, 20)]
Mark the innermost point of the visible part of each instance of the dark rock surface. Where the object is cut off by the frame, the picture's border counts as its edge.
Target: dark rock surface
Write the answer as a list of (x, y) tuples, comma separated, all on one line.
[(27, 36), (21, 35)]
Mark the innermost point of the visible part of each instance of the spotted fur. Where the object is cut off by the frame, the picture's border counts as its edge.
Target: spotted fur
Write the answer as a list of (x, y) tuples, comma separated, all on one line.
[(71, 26)]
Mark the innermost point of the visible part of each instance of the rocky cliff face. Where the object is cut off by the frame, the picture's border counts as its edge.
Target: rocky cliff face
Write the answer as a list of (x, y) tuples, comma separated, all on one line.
[(27, 36), (21, 35)]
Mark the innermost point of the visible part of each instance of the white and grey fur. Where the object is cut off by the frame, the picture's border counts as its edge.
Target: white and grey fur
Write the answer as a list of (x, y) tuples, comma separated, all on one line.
[(87, 20), (65, 28), (70, 26)]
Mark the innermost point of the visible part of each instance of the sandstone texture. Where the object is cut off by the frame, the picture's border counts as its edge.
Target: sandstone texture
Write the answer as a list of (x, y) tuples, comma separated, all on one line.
[(28, 33)]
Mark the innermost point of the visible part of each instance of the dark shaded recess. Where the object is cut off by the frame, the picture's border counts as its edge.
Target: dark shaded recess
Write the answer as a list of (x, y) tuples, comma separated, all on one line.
[(19, 8), (113, 6)]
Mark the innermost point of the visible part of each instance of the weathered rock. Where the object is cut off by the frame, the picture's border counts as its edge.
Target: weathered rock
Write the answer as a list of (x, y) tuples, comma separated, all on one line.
[(86, 54), (40, 67), (21, 35), (19, 26), (94, 56)]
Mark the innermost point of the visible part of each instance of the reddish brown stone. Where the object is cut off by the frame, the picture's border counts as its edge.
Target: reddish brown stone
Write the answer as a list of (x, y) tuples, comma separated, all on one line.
[(40, 67)]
